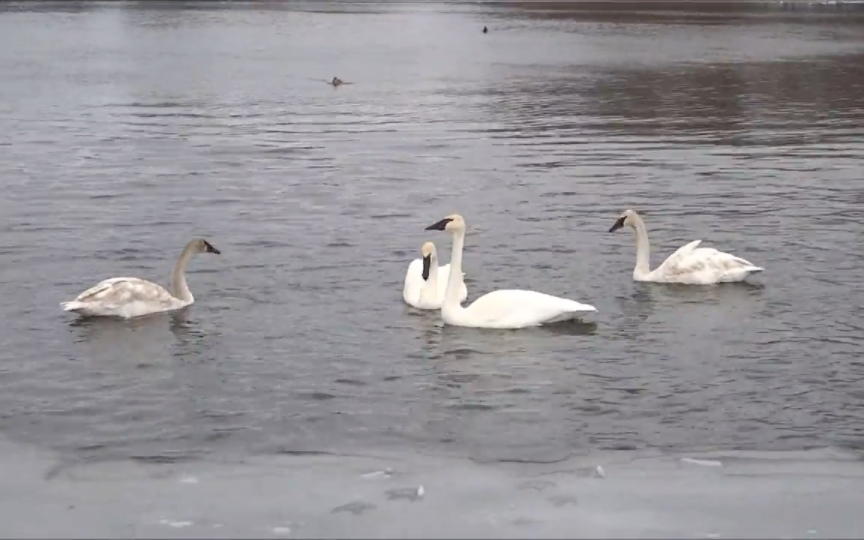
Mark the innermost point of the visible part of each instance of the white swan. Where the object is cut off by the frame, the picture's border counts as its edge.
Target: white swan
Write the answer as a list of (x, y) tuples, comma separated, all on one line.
[(689, 265), (426, 282), (498, 309), (129, 297)]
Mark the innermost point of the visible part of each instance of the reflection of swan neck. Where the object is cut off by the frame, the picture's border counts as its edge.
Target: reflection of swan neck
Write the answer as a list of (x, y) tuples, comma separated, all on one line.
[(178, 277), (454, 282), (643, 247)]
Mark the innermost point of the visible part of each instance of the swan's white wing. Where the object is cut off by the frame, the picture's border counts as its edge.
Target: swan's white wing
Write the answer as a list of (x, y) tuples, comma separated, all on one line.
[(705, 266), (674, 262), (123, 296), (512, 308), (723, 267), (100, 290), (443, 276), (413, 282)]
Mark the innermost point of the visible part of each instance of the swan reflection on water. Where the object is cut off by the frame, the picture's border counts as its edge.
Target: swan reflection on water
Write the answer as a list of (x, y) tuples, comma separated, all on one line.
[(140, 339), (738, 294), (436, 339)]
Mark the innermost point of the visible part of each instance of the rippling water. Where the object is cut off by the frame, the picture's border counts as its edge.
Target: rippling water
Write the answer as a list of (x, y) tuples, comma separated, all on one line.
[(127, 128)]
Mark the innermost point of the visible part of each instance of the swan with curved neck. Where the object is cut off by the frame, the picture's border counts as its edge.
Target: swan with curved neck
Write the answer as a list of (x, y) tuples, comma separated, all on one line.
[(507, 308), (426, 282), (689, 265), (129, 297)]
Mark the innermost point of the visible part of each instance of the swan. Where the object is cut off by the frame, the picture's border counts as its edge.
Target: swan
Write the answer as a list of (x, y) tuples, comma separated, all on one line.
[(426, 282), (508, 308), (689, 265), (129, 297)]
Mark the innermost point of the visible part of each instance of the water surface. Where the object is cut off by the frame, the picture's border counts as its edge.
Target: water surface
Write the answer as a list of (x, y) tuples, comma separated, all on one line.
[(127, 128)]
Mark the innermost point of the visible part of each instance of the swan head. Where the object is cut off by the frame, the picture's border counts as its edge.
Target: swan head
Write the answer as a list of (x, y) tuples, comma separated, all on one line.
[(430, 257), (627, 218), (203, 246), (452, 223)]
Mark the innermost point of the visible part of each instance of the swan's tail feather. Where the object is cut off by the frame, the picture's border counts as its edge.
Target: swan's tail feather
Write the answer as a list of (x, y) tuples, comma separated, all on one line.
[(579, 307), (575, 311), (739, 274), (72, 305), (570, 315)]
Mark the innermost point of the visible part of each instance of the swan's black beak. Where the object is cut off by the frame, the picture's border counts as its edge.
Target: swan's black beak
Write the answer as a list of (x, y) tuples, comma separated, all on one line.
[(440, 226), (427, 262), (211, 249), (618, 224)]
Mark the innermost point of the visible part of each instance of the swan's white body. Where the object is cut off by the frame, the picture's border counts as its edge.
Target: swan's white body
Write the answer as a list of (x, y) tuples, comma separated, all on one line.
[(689, 265), (505, 309), (125, 297), (512, 309), (428, 293), (129, 297)]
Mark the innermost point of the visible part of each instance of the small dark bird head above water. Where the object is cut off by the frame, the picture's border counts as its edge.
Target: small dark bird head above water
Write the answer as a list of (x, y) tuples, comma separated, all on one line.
[(485, 30), (336, 81)]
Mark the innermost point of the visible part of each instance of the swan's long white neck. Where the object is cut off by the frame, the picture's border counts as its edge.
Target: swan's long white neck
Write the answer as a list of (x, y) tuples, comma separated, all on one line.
[(178, 277), (454, 282), (643, 248)]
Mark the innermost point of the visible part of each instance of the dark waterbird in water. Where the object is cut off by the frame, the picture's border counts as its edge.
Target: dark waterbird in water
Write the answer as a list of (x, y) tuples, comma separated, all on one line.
[(485, 30), (338, 82)]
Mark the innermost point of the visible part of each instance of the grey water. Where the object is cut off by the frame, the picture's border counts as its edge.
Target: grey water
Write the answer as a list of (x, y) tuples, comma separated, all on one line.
[(127, 128)]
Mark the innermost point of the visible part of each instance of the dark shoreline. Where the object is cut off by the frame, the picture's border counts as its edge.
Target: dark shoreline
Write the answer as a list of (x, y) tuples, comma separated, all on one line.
[(707, 6)]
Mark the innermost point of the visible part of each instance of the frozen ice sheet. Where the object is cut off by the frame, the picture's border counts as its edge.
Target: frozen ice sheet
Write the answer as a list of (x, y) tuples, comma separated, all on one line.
[(815, 494)]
